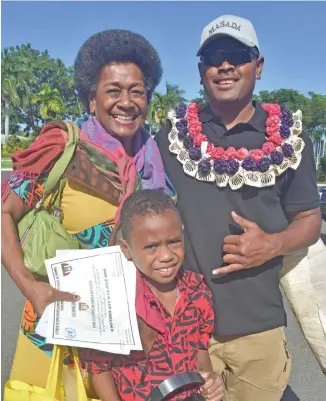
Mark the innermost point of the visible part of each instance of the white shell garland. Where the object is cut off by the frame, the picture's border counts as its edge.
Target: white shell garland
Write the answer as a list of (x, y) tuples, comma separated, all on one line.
[(242, 177)]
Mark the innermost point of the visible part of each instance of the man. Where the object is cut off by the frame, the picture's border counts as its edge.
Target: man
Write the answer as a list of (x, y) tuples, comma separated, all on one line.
[(242, 211)]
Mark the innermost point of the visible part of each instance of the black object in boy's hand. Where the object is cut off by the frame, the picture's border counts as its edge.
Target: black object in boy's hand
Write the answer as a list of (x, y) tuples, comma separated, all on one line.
[(177, 383)]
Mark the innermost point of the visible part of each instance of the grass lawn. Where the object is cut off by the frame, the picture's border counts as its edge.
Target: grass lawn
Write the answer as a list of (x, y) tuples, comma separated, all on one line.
[(6, 163)]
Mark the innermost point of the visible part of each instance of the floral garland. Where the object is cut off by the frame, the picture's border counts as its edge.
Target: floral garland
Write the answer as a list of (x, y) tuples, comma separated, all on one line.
[(257, 167)]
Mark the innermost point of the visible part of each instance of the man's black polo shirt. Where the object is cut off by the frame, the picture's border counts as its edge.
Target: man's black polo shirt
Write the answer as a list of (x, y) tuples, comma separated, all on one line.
[(248, 301)]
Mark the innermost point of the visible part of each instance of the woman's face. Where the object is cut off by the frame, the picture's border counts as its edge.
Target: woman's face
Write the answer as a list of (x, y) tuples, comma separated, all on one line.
[(120, 101)]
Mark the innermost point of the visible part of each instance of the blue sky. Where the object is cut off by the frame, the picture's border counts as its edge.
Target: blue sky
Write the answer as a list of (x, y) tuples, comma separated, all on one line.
[(291, 34)]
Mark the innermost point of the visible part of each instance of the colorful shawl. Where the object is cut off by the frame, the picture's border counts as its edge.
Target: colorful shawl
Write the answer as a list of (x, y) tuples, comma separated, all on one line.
[(123, 170), (147, 157), (104, 150)]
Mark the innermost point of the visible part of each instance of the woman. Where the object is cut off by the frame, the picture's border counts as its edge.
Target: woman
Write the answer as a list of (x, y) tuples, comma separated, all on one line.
[(115, 72)]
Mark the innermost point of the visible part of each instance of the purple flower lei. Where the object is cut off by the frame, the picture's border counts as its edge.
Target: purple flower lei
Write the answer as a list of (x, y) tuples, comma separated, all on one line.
[(231, 167), (188, 142), (277, 157), (220, 166), (204, 166), (195, 153), (264, 164), (249, 164), (287, 150), (181, 111)]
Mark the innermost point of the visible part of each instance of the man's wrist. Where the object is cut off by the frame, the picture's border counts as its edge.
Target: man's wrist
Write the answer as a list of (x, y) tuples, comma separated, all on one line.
[(277, 243)]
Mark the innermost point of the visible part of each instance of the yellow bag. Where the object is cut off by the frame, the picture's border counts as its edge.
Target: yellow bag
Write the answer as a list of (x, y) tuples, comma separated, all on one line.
[(16, 390), (30, 364)]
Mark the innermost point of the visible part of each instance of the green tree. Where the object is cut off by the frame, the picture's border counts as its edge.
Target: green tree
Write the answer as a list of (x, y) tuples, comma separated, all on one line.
[(32, 68), (163, 103), (313, 108), (9, 98), (14, 144), (321, 170), (51, 105), (290, 98), (14, 77), (201, 99), (317, 124)]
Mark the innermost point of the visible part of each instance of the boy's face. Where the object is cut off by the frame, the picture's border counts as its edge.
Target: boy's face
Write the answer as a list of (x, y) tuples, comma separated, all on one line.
[(155, 244)]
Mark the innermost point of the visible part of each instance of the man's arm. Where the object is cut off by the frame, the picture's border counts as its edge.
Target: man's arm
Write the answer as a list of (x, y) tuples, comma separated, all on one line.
[(300, 203), (255, 247), (304, 230)]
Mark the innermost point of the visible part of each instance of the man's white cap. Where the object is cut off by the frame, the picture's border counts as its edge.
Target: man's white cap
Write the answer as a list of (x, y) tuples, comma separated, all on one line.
[(229, 25)]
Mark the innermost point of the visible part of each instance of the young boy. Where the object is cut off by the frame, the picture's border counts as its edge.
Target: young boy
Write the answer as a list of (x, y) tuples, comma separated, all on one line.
[(174, 309)]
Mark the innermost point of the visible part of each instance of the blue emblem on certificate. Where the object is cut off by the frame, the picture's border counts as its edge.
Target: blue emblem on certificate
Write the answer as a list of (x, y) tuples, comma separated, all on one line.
[(70, 333)]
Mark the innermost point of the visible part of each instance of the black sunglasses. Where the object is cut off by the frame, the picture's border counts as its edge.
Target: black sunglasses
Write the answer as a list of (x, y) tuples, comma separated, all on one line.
[(215, 57)]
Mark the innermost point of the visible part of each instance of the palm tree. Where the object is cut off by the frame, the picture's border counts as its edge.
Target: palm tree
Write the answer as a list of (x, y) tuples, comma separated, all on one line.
[(163, 103), (50, 102), (202, 99), (16, 77), (9, 98), (13, 87)]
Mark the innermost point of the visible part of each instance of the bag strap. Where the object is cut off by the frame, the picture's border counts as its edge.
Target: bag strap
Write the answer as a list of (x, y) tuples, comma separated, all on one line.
[(81, 391), (52, 389), (58, 195), (54, 379), (62, 163)]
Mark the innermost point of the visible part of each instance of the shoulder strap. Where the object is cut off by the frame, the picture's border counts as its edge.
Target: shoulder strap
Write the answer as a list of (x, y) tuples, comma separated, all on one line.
[(62, 163)]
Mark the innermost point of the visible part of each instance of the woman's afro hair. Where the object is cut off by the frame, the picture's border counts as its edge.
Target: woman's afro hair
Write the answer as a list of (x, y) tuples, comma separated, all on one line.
[(116, 45)]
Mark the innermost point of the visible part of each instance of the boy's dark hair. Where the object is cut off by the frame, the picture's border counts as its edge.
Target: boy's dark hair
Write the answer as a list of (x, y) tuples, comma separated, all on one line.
[(115, 45), (143, 202)]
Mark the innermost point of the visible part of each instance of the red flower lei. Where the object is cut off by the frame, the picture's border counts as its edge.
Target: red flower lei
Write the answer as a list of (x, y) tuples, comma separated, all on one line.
[(272, 131)]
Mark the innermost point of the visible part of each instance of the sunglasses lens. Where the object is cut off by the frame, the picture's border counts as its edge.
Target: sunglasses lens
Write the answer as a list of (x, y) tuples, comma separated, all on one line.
[(233, 57)]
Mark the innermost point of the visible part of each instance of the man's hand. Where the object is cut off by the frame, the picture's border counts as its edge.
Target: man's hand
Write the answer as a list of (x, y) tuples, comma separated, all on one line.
[(213, 388), (251, 249)]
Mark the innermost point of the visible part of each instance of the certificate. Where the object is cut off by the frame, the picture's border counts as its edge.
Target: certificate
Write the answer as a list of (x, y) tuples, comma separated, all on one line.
[(105, 316)]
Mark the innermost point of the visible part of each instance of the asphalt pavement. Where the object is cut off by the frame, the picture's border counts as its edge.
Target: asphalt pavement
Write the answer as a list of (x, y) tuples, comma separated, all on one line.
[(307, 382)]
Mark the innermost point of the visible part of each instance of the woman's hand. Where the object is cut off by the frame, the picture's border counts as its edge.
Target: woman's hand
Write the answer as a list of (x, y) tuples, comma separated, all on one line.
[(42, 294), (213, 388)]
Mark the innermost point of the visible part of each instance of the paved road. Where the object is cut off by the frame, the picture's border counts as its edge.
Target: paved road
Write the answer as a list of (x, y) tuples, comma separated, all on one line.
[(307, 381)]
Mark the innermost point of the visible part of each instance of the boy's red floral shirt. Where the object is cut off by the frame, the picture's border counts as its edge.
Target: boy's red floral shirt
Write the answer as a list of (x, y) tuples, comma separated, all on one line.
[(174, 351)]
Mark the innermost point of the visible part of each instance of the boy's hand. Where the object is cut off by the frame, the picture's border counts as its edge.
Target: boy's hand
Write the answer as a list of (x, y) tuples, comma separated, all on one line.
[(213, 388)]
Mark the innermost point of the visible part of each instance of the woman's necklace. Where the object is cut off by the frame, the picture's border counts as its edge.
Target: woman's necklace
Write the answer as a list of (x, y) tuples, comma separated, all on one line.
[(237, 167)]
